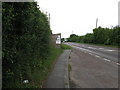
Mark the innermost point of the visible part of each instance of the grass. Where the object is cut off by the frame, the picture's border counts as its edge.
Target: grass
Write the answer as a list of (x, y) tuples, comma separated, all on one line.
[(69, 68), (40, 75), (64, 46)]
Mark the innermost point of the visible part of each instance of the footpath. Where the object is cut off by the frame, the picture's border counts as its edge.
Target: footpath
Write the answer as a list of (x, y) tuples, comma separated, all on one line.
[(59, 76)]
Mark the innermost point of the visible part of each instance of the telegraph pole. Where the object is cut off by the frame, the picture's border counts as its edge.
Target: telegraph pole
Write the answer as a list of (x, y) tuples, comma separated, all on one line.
[(49, 18), (96, 22), (119, 13)]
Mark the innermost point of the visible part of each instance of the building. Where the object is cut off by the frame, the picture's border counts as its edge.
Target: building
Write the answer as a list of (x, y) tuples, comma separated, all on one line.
[(56, 40)]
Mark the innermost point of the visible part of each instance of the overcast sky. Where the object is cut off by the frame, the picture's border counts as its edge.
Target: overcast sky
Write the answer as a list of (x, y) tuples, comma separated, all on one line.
[(79, 16)]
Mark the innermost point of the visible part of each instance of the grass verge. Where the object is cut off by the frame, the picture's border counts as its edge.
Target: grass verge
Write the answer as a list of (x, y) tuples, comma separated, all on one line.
[(64, 46), (39, 75), (69, 68)]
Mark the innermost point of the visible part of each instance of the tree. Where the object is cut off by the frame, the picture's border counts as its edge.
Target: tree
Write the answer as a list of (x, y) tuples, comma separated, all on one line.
[(88, 38), (73, 38)]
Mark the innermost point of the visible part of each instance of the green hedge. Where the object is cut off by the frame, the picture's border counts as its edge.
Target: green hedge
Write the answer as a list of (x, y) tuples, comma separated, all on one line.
[(25, 41), (104, 36)]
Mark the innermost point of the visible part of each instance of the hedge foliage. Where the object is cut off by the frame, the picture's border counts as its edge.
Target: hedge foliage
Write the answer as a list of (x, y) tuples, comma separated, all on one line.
[(26, 41), (100, 35)]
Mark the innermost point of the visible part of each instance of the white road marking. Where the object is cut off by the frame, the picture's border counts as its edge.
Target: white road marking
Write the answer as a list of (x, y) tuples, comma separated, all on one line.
[(97, 56), (110, 50), (118, 63), (91, 47), (85, 51), (101, 48), (90, 53), (107, 49), (106, 59)]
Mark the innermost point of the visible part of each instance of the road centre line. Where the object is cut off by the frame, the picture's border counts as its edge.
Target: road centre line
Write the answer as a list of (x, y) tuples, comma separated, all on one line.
[(106, 59), (101, 48), (118, 63), (85, 51), (92, 48), (107, 49), (95, 48), (89, 52), (110, 50), (97, 56)]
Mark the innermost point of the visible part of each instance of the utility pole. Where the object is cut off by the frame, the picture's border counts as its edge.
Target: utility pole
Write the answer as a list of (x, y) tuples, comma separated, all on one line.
[(119, 13), (49, 18), (96, 22), (72, 31)]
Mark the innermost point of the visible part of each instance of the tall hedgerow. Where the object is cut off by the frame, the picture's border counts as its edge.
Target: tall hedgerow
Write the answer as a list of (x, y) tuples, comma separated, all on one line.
[(25, 39)]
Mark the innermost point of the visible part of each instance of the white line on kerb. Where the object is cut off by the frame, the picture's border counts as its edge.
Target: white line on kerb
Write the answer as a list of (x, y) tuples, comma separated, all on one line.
[(106, 59)]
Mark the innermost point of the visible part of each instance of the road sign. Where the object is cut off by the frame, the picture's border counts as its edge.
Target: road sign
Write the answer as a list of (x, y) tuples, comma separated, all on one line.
[(58, 40)]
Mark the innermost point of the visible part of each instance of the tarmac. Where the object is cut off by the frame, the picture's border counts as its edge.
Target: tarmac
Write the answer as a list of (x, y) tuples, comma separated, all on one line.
[(92, 71), (59, 77)]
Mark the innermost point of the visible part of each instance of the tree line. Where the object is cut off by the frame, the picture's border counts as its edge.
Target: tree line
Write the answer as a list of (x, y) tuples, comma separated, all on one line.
[(25, 41), (100, 35)]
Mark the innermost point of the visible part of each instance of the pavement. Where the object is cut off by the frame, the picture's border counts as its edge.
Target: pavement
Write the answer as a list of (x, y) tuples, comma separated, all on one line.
[(93, 66), (59, 76)]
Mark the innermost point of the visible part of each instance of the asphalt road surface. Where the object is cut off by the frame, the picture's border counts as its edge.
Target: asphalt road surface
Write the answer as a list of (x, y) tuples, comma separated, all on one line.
[(93, 66)]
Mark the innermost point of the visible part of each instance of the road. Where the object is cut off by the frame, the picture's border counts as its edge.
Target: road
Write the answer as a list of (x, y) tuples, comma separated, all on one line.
[(93, 66)]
